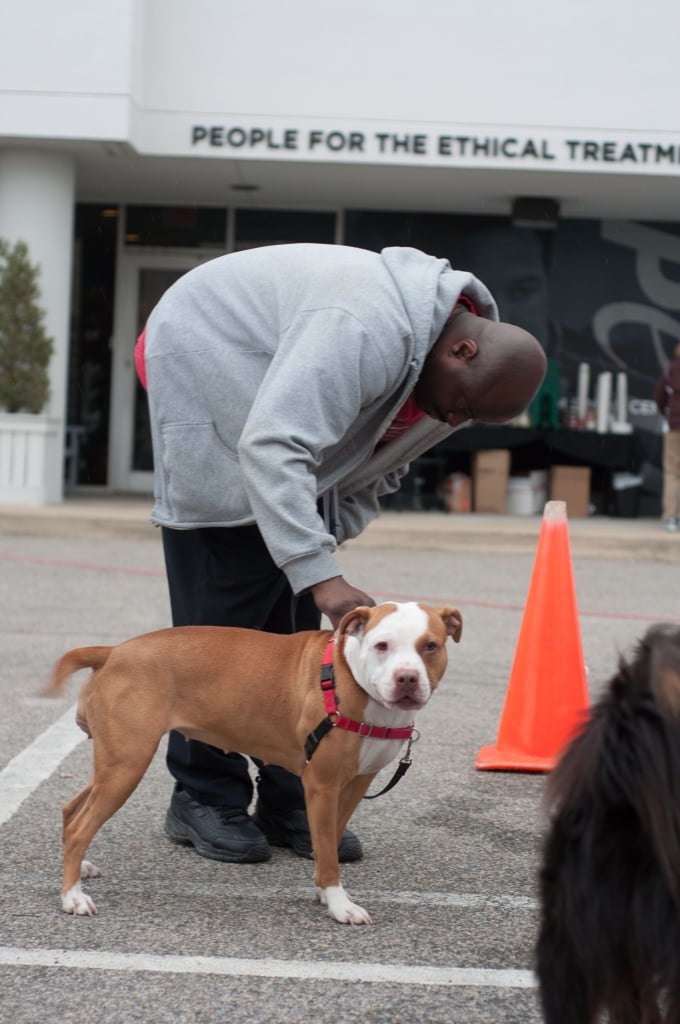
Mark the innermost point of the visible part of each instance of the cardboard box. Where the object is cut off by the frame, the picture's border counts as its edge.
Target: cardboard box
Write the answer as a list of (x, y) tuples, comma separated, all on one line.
[(490, 472), (572, 485), (454, 491)]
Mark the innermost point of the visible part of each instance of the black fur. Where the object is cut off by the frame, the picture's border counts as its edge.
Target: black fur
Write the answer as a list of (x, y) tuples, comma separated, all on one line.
[(609, 935)]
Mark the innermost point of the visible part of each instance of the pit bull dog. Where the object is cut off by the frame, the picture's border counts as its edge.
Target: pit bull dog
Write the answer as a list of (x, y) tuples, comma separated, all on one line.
[(334, 708)]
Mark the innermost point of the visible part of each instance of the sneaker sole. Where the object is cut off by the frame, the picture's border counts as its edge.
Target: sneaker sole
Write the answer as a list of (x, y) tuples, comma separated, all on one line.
[(182, 834)]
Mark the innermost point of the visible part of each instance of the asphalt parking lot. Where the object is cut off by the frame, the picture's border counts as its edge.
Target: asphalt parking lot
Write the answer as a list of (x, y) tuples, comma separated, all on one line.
[(449, 873)]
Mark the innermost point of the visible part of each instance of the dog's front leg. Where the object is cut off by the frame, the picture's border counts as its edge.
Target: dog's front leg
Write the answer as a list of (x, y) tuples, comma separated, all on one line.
[(322, 814), (341, 906), (348, 800)]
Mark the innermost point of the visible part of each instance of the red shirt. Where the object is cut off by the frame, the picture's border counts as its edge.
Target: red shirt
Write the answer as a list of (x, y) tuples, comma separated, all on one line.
[(405, 418), (140, 365)]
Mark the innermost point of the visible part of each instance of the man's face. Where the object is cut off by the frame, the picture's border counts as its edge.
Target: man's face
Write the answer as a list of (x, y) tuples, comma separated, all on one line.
[(448, 390)]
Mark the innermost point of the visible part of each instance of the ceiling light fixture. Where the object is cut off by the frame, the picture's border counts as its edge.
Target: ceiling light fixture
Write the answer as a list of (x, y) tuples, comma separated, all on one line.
[(535, 212)]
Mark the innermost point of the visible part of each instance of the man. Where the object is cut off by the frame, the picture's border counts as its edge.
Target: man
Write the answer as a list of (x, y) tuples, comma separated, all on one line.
[(667, 398), (289, 388)]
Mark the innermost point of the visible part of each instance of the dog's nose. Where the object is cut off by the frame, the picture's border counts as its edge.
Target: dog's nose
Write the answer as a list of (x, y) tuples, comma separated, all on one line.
[(406, 678)]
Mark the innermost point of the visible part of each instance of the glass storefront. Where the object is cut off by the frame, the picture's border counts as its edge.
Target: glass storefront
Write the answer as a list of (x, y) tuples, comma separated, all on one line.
[(589, 290)]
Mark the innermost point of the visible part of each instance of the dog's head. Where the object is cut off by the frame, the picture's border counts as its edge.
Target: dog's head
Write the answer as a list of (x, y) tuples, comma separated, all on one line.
[(628, 751), (654, 670), (397, 652), (639, 710)]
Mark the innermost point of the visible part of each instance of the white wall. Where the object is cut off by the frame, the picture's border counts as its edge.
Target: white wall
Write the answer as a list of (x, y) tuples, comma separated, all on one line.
[(599, 63), (69, 67)]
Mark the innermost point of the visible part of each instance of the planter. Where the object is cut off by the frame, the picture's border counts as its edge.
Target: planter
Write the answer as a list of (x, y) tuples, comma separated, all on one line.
[(30, 459)]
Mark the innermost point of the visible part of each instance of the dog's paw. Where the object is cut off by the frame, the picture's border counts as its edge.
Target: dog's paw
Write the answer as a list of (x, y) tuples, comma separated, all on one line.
[(77, 902), (340, 907), (89, 870)]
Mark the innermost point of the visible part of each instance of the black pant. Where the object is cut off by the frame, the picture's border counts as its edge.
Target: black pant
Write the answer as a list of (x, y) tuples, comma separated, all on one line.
[(226, 577)]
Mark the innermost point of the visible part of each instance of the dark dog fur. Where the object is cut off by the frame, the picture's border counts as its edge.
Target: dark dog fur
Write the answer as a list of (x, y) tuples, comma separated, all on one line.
[(609, 934)]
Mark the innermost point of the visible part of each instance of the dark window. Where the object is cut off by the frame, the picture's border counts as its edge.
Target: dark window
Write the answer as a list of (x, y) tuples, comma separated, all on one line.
[(91, 329), (176, 226), (272, 227)]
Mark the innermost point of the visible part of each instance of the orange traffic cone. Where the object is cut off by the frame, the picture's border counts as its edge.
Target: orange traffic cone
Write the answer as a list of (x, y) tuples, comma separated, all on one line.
[(547, 696)]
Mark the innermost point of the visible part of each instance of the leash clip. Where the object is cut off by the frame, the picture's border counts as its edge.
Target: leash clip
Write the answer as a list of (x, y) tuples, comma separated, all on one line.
[(403, 766), (406, 759), (415, 736)]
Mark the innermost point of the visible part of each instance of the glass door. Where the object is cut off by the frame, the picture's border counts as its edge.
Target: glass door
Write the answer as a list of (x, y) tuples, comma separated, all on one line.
[(143, 277)]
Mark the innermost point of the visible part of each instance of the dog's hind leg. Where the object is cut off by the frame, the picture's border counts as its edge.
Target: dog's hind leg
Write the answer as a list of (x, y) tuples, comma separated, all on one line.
[(73, 900), (87, 869), (84, 815)]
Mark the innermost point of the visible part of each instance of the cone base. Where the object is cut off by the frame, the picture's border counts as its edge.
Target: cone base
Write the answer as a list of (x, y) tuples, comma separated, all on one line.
[(494, 759)]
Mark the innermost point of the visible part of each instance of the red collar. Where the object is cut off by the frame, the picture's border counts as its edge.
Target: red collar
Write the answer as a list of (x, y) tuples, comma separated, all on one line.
[(379, 732)]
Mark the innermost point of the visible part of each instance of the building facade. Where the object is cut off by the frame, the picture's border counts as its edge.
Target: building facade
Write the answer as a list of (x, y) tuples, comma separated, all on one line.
[(536, 146)]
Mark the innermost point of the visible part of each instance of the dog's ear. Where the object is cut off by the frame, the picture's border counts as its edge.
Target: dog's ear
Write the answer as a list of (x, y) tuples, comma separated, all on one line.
[(353, 622), (665, 671), (453, 621)]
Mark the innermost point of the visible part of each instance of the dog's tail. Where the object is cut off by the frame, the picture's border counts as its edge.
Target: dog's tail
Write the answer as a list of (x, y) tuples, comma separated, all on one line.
[(72, 661)]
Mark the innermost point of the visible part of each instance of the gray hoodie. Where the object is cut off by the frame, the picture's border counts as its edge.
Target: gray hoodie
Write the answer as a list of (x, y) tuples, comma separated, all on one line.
[(272, 375)]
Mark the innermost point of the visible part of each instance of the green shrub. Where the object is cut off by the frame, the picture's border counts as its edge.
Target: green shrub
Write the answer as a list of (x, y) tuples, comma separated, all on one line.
[(25, 348)]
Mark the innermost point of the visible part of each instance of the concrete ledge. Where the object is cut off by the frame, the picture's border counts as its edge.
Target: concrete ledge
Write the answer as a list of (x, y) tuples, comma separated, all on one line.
[(82, 517), (597, 536)]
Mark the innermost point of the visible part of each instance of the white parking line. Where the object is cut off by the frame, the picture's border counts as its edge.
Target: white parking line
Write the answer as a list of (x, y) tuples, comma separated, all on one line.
[(24, 773), (303, 970)]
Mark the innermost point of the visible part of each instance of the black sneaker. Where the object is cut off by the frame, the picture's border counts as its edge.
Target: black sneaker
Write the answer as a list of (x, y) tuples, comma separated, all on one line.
[(220, 833), (292, 829)]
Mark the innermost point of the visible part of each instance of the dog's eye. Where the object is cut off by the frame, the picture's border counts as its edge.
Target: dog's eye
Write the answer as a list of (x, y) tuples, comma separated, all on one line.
[(431, 647), (381, 646)]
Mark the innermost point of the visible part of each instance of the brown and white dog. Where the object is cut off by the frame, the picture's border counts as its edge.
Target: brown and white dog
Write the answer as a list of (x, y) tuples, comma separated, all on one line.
[(259, 694)]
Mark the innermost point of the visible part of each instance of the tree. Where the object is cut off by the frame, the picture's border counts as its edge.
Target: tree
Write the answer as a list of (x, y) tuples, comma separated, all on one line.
[(25, 348)]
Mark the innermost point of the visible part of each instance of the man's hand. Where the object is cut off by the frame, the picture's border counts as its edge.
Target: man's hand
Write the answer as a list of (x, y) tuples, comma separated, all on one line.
[(334, 597)]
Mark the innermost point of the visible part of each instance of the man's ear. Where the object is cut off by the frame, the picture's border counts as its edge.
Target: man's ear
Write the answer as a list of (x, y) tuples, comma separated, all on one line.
[(464, 348)]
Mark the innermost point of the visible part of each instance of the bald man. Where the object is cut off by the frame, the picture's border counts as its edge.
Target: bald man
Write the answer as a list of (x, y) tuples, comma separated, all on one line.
[(289, 389)]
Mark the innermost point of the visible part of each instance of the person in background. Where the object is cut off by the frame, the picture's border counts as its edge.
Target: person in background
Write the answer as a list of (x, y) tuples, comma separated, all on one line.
[(289, 388), (667, 398)]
